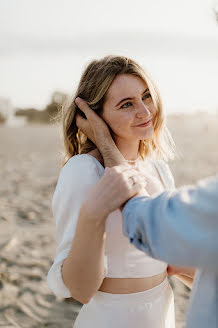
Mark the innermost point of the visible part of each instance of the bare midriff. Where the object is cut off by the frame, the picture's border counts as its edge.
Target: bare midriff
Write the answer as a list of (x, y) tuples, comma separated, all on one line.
[(131, 285)]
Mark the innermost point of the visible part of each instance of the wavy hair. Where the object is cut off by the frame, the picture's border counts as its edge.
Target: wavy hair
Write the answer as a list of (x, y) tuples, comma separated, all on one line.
[(93, 86)]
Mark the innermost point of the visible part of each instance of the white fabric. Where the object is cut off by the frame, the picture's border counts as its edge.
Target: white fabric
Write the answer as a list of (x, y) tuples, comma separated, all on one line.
[(153, 308), (122, 259)]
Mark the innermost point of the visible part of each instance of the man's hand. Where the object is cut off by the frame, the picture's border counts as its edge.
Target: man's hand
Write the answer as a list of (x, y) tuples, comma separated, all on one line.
[(95, 128), (113, 189)]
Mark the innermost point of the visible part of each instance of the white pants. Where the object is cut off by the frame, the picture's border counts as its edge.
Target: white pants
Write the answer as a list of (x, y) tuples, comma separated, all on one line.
[(153, 308)]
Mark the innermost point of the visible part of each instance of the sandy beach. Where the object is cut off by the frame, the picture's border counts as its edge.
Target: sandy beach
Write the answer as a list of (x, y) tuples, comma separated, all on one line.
[(30, 163)]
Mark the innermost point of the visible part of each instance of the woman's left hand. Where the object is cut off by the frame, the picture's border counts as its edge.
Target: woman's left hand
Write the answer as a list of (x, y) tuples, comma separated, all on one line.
[(188, 271)]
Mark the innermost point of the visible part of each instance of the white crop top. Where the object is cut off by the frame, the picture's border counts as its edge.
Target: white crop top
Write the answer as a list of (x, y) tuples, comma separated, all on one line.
[(122, 259)]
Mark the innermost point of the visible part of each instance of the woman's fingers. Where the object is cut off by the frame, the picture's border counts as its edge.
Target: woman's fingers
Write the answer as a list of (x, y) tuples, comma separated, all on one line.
[(125, 180), (81, 122), (127, 170), (170, 270), (117, 186), (90, 114), (98, 124), (85, 127), (94, 127), (83, 106)]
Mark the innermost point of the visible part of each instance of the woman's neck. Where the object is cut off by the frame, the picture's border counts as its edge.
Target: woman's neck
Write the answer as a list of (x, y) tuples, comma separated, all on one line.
[(129, 149)]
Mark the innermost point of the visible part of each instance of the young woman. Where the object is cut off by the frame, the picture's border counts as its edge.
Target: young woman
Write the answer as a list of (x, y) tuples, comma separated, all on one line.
[(95, 264)]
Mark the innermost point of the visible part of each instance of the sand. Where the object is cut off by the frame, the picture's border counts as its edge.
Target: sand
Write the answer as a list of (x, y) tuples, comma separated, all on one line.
[(29, 162)]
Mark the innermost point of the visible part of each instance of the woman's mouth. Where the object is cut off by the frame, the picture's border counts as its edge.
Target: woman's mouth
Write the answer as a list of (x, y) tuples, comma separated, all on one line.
[(147, 123)]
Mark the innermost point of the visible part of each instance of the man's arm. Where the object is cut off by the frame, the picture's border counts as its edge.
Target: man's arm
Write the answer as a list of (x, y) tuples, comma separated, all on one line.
[(179, 227)]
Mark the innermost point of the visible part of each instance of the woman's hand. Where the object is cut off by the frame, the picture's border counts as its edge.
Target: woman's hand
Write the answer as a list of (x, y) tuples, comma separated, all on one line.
[(184, 274), (172, 270), (188, 271), (117, 185), (95, 128)]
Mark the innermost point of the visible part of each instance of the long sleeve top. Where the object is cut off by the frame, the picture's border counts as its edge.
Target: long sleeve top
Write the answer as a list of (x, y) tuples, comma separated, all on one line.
[(180, 227), (121, 259)]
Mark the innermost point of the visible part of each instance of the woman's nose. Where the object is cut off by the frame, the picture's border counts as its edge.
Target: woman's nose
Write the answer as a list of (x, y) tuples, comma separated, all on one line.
[(143, 111)]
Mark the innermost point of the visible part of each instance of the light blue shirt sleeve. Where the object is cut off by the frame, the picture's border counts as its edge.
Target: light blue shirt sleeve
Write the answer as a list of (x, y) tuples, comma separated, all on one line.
[(179, 227)]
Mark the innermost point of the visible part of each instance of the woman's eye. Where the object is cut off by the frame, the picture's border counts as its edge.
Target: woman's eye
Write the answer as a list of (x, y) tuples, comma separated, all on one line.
[(126, 105), (148, 95)]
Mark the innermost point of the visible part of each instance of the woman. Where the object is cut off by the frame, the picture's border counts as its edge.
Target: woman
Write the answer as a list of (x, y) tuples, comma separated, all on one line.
[(95, 264)]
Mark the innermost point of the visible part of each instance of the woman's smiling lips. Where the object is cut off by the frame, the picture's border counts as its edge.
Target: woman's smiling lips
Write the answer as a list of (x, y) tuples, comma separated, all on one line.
[(144, 124)]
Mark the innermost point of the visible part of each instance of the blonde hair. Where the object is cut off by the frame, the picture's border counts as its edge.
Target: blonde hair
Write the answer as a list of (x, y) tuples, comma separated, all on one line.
[(93, 86)]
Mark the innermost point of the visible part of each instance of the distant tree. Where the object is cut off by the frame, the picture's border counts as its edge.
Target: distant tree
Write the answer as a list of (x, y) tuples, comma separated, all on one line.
[(48, 114), (2, 118), (57, 100), (33, 115), (59, 97)]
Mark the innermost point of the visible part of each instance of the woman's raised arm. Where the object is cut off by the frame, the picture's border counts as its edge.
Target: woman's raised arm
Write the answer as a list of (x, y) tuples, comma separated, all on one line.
[(78, 267)]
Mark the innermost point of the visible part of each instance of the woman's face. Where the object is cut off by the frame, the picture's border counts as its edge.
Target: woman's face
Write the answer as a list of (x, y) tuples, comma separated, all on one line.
[(129, 109)]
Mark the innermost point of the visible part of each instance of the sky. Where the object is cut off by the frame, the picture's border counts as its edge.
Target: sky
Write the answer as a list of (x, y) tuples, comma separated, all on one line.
[(45, 45)]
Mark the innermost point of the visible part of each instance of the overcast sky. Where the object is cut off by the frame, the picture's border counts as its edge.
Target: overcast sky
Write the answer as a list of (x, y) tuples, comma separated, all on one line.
[(69, 18), (46, 43)]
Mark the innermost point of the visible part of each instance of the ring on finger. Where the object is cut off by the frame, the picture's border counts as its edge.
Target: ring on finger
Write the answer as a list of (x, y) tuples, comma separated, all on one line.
[(133, 180)]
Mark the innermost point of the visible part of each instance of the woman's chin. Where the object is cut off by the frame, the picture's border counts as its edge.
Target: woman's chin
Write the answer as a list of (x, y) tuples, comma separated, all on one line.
[(146, 134)]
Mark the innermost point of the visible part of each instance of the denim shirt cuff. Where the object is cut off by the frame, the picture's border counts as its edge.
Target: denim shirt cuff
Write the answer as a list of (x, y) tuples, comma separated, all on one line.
[(131, 225)]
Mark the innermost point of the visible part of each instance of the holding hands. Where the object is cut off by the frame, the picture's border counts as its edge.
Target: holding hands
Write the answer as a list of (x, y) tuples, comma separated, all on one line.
[(116, 187)]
